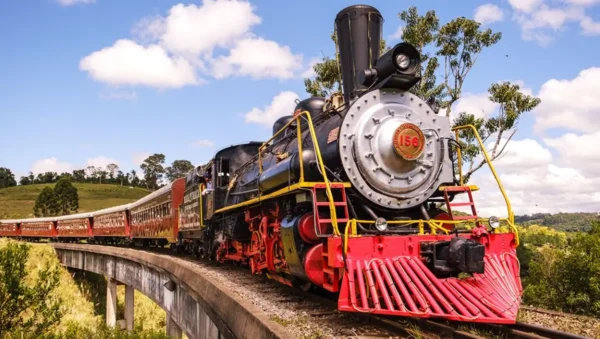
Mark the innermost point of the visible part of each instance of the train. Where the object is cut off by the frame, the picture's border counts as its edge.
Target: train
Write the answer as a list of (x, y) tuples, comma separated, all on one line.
[(355, 194)]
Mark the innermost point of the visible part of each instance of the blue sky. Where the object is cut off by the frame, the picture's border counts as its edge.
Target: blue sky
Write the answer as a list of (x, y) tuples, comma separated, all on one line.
[(89, 82)]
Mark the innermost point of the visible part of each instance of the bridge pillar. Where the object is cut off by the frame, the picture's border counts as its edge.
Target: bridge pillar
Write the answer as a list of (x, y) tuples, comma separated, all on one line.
[(129, 307), (111, 302), (173, 330)]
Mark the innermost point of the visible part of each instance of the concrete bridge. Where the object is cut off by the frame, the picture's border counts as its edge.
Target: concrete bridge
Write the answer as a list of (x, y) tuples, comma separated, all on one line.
[(194, 303)]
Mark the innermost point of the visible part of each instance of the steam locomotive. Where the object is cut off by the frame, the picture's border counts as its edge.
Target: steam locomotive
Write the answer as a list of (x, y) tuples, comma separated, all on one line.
[(352, 194)]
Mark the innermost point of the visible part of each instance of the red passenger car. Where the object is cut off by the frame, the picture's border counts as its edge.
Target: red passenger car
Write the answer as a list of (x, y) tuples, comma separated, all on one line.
[(9, 228), (110, 225), (37, 228), (74, 227), (154, 217)]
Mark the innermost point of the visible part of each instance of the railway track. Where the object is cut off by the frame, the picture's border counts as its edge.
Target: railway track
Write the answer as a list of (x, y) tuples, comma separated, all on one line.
[(320, 318)]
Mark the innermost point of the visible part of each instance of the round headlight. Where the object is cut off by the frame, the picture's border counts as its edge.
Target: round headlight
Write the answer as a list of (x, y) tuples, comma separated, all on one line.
[(494, 222), (381, 224), (403, 61)]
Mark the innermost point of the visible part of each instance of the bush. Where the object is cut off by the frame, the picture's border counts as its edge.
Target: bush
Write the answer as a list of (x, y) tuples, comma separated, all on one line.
[(28, 307), (567, 279)]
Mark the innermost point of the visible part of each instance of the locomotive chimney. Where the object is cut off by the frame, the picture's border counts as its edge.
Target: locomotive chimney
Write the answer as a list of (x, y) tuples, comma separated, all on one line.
[(358, 33)]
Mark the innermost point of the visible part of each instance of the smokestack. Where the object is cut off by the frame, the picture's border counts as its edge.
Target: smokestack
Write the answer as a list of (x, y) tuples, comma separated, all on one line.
[(358, 32)]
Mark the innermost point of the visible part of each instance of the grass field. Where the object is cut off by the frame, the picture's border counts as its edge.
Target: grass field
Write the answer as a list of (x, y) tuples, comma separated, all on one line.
[(18, 201)]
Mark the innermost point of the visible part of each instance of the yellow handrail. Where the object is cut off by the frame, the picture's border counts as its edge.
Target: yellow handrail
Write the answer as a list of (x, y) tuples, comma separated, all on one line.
[(511, 216), (315, 142)]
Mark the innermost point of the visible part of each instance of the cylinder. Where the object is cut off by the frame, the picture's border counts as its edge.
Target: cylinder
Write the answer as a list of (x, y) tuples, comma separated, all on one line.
[(358, 33), (285, 171)]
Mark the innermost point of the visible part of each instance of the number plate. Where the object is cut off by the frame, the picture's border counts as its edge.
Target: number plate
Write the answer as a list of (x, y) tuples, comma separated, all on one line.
[(409, 141)]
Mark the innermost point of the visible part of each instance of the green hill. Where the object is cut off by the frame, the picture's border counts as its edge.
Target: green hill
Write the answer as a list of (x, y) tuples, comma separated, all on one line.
[(567, 222), (18, 201)]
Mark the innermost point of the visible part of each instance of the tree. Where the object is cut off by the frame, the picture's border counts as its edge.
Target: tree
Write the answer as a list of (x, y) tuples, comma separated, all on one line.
[(178, 169), (46, 178), (328, 78), (153, 170), (27, 306), (90, 171), (567, 279), (122, 178), (46, 204), (460, 42), (421, 31), (112, 169), (24, 181), (513, 103), (457, 44), (79, 175), (66, 196), (7, 178), (133, 178)]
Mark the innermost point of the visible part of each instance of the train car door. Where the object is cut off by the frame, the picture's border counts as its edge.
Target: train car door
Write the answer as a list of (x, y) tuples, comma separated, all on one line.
[(209, 193)]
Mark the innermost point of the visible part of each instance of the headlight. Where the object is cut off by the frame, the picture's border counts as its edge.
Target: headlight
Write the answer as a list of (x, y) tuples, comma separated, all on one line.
[(403, 61), (494, 222), (381, 224)]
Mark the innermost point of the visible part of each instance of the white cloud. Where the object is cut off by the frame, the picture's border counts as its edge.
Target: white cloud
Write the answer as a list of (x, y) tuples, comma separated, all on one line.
[(488, 13), (589, 26), (397, 34), (192, 30), (571, 104), (526, 6), (521, 155), (535, 183), (50, 165), (138, 158), (204, 143), (540, 20), (127, 63), (578, 150), (214, 38), (582, 2), (100, 161), (258, 58), (310, 71), (282, 104), (477, 104), (74, 2)]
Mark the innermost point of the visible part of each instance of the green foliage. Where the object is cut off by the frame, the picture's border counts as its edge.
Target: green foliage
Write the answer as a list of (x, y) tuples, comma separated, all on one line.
[(538, 236), (58, 201), (46, 203), (91, 174), (421, 31), (75, 331), (28, 310), (567, 279), (153, 170), (513, 103), (328, 79), (75, 317), (7, 178), (533, 237), (178, 169), (460, 42), (66, 195), (568, 222), (456, 45)]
